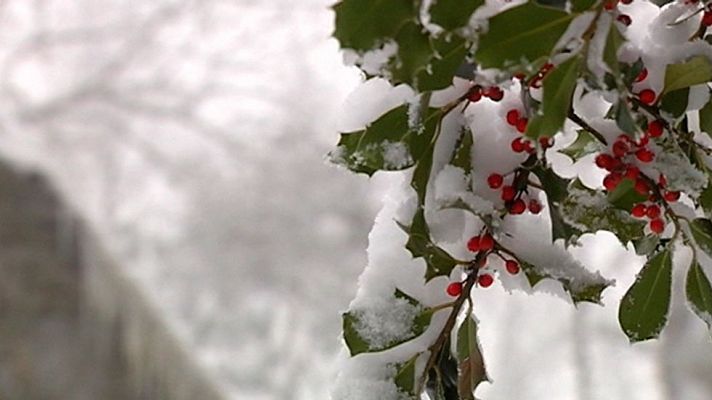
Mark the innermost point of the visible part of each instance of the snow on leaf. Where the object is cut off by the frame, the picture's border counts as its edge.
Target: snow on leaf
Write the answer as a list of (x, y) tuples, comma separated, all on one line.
[(644, 308), (590, 211), (699, 293), (384, 323), (389, 143)]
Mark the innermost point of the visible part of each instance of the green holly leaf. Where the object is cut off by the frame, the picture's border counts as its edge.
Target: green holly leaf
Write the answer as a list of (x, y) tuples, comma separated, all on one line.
[(558, 89), (560, 228), (390, 143), (365, 24), (706, 118), (614, 41), (584, 145), (447, 55), (699, 293), (646, 245), (462, 157), (695, 71), (414, 53), (438, 261), (537, 30), (644, 308), (453, 14), (471, 364), (705, 199), (555, 187), (624, 196), (701, 229), (405, 378), (623, 117), (590, 293), (362, 336), (591, 210), (675, 102)]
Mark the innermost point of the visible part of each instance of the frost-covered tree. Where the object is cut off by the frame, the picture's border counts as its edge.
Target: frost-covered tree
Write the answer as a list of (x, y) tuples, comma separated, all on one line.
[(517, 129)]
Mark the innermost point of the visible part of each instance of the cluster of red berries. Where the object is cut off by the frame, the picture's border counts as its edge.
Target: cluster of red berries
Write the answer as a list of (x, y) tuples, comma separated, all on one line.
[(626, 148), (652, 209), (512, 197), (646, 96), (521, 144), (484, 244), (477, 92)]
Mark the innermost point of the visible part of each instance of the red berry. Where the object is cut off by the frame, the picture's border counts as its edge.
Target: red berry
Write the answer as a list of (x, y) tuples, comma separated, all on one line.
[(528, 146), (612, 180), (494, 93), (642, 187), (644, 155), (518, 145), (639, 210), (657, 226), (642, 75), (624, 19), (518, 207), (644, 139), (485, 280), (545, 142), (671, 197), (610, 4), (534, 206), (486, 242), (647, 96), (604, 161), (495, 181), (475, 94), (512, 267), (520, 75), (620, 149), (626, 1), (662, 181), (508, 193), (655, 128), (512, 117), (454, 289), (522, 125), (474, 244), (653, 211), (707, 18), (632, 172)]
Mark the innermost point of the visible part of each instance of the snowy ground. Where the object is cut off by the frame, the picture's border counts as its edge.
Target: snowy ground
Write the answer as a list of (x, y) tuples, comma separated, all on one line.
[(191, 135)]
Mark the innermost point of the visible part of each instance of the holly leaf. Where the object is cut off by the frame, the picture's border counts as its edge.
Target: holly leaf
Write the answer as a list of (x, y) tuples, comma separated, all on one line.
[(699, 293), (584, 145), (646, 245), (675, 102), (462, 157), (555, 187), (706, 118), (448, 54), (623, 117), (695, 71), (364, 24), (558, 89), (414, 53), (644, 308), (705, 199), (362, 336), (537, 30), (438, 261), (390, 143), (614, 41), (405, 378), (590, 293), (624, 196), (701, 229), (470, 361), (453, 14), (591, 210)]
